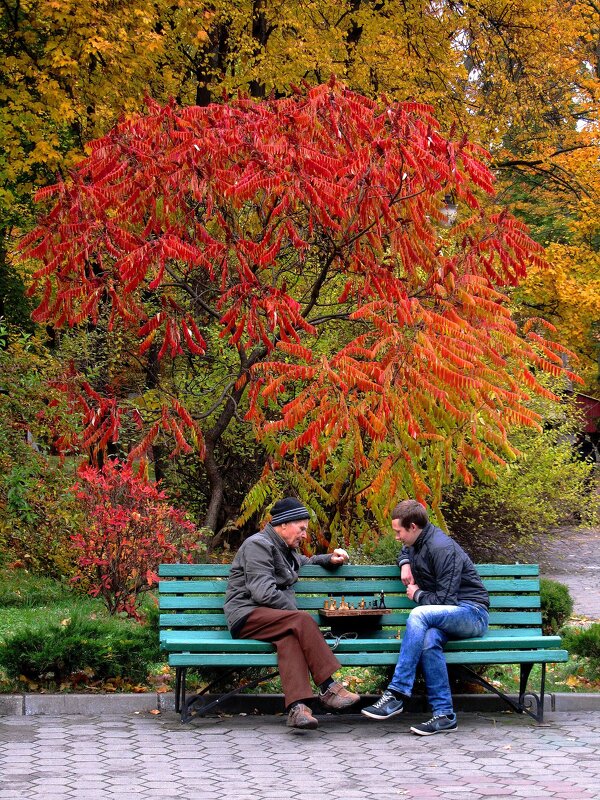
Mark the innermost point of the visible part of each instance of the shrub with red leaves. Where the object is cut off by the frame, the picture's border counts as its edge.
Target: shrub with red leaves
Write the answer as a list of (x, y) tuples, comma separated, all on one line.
[(131, 529)]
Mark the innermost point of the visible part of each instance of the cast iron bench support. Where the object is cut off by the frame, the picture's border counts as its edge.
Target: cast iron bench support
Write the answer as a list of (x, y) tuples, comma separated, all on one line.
[(197, 704), (521, 706)]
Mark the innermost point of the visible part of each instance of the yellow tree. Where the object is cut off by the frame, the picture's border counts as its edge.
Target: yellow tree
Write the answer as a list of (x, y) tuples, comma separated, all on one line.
[(567, 292)]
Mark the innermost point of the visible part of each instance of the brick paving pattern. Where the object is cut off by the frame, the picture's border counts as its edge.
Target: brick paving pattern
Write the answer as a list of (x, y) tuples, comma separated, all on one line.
[(120, 757), (572, 557)]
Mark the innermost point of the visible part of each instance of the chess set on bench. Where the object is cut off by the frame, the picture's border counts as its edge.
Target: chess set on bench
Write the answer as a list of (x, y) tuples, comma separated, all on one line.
[(362, 608)]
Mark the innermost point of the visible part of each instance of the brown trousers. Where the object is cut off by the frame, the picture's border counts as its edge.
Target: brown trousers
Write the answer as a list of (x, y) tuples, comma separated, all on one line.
[(301, 649)]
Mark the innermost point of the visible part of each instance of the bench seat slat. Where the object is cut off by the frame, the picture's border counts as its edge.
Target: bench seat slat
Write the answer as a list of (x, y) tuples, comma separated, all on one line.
[(173, 641), (371, 658)]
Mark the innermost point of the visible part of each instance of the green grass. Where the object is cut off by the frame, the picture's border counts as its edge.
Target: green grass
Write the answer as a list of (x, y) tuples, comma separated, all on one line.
[(21, 589), (29, 602), (13, 620)]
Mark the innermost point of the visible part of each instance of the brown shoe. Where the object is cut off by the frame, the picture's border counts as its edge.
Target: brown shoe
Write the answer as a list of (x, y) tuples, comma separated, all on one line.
[(300, 717), (337, 697)]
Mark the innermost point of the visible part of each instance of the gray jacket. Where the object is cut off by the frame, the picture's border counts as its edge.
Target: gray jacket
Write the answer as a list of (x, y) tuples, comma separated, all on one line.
[(263, 573)]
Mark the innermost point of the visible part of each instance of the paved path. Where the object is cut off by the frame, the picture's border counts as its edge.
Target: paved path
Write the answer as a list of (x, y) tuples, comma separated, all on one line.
[(493, 756), (573, 558)]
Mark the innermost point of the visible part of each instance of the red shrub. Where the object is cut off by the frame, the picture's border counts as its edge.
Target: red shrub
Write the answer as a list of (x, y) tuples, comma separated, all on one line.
[(130, 530)]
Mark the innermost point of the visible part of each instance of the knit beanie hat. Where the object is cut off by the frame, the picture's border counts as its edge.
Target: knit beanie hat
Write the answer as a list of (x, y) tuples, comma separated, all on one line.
[(288, 510)]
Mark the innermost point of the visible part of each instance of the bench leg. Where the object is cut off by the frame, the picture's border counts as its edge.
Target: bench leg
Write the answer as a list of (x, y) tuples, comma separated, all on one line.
[(179, 687), (521, 706), (197, 703), (538, 715)]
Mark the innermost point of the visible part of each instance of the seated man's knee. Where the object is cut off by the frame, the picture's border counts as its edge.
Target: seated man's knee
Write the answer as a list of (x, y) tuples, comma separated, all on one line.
[(303, 619), (434, 639), (417, 617)]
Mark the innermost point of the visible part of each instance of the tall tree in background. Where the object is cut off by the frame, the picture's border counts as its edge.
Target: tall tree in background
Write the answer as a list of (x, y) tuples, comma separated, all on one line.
[(291, 260)]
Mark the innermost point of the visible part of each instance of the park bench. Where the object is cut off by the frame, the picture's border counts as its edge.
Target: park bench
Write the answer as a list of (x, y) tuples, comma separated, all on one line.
[(194, 634)]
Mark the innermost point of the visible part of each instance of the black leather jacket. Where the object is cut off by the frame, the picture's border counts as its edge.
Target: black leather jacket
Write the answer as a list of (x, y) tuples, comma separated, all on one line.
[(263, 573), (442, 570)]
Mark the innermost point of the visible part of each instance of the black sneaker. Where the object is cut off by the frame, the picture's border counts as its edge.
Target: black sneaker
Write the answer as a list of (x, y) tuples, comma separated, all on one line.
[(440, 723), (387, 706)]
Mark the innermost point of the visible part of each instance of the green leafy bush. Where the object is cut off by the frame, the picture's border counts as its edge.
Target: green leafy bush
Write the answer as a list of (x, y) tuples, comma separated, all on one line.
[(99, 649), (544, 487), (585, 642), (38, 513), (557, 605)]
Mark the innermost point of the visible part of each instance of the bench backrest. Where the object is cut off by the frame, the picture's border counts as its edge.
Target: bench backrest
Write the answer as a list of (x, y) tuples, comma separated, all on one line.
[(191, 595)]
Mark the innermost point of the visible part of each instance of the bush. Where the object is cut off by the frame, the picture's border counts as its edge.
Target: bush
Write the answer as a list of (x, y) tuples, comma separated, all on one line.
[(37, 511), (97, 649), (130, 530), (557, 605), (585, 642), (545, 487)]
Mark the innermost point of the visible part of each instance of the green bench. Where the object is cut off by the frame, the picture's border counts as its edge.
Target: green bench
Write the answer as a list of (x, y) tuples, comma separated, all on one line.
[(194, 634)]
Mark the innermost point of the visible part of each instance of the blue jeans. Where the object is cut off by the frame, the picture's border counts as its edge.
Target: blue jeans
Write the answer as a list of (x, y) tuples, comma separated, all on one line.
[(428, 628)]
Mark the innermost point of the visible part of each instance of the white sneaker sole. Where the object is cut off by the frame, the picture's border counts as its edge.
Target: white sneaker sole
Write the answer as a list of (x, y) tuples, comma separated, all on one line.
[(433, 733), (369, 714)]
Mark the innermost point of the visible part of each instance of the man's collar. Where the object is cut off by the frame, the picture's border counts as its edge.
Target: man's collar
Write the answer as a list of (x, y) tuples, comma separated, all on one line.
[(270, 530), (422, 536)]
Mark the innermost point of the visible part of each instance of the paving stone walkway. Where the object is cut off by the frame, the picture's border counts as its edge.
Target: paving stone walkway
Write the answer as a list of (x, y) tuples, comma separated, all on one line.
[(491, 756), (573, 558)]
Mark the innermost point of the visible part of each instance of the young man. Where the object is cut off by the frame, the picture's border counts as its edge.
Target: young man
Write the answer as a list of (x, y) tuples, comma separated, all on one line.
[(451, 603), (260, 604)]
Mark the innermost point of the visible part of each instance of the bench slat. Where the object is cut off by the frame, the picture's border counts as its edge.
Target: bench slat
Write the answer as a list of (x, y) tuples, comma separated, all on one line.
[(215, 602), (516, 618), (372, 659), (172, 641), (339, 585), (366, 570)]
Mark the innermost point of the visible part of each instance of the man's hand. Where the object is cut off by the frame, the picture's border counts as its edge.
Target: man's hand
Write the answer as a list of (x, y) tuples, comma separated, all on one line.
[(339, 557), (411, 589), (406, 575)]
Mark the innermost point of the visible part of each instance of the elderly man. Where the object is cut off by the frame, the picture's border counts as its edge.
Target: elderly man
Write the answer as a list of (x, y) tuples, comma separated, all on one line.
[(260, 604), (451, 603)]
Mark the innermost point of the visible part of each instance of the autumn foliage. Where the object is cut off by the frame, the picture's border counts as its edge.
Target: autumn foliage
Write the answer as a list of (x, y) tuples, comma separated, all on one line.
[(367, 336), (129, 530)]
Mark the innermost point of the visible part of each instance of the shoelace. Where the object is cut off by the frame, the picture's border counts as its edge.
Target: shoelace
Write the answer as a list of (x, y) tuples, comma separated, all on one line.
[(334, 640), (384, 699), (438, 716)]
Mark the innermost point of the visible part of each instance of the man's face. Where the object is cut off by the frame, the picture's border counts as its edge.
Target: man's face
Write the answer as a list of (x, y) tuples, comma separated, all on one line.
[(407, 536), (293, 533)]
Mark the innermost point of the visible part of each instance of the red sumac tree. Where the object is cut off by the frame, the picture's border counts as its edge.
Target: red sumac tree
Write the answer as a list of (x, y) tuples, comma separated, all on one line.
[(290, 261)]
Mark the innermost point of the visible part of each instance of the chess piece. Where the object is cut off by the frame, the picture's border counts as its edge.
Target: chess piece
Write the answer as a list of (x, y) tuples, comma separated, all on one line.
[(343, 604), (362, 603), (381, 599), (333, 604), (326, 605)]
